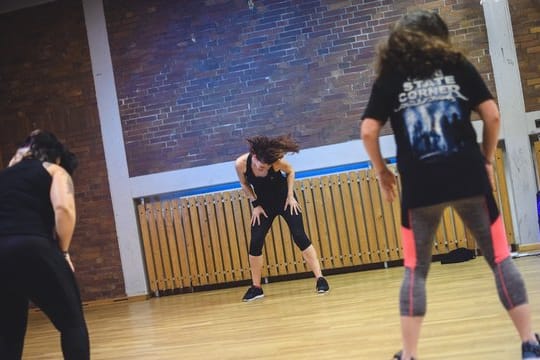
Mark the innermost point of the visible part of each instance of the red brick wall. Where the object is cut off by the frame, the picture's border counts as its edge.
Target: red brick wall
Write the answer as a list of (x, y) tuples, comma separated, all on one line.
[(526, 26), (46, 82), (195, 78)]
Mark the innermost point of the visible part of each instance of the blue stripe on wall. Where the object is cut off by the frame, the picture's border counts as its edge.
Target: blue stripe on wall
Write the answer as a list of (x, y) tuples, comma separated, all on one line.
[(299, 175)]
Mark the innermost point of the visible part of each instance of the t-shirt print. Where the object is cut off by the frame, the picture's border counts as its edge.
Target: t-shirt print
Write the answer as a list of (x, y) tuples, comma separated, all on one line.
[(432, 116)]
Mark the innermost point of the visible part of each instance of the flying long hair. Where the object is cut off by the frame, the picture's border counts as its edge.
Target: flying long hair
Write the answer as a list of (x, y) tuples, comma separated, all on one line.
[(269, 150), (418, 45), (44, 146)]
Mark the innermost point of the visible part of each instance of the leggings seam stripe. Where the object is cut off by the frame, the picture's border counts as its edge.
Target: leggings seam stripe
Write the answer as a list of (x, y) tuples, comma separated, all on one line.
[(503, 285)]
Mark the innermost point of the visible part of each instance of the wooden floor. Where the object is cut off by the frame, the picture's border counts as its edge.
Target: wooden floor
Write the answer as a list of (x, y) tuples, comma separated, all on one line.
[(358, 319)]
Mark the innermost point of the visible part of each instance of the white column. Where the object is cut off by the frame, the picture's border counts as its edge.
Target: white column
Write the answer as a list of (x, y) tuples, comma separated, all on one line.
[(113, 142), (515, 125)]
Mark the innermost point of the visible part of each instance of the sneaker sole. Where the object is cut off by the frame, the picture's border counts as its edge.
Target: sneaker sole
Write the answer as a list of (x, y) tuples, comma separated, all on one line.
[(253, 298), (322, 291)]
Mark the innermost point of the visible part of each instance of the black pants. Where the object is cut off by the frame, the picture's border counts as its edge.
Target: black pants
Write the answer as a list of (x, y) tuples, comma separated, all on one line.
[(296, 226), (31, 268)]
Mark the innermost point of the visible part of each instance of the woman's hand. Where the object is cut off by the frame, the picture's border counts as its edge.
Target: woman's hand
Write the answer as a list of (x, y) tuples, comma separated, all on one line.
[(293, 204), (256, 215), (387, 182), (491, 176), (68, 259)]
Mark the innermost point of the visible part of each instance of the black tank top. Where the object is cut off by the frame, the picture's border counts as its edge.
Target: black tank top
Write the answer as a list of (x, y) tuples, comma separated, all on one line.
[(25, 204), (271, 190)]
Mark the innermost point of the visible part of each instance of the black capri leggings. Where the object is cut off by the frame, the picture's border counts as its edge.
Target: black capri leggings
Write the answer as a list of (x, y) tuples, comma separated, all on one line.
[(31, 268), (296, 226)]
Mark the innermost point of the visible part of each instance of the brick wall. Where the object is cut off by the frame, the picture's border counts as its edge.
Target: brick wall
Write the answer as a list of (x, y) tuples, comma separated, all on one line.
[(195, 78), (46, 82), (526, 26)]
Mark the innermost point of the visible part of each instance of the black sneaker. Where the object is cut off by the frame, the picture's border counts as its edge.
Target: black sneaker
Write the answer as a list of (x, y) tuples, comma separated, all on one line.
[(253, 293), (531, 351), (322, 285), (397, 356)]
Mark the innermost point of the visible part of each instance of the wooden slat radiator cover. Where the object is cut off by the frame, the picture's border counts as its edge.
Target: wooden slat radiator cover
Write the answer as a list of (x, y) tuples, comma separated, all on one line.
[(204, 240)]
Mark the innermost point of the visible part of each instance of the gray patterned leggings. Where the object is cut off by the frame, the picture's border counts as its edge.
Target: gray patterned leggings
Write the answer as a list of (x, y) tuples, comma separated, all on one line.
[(481, 216)]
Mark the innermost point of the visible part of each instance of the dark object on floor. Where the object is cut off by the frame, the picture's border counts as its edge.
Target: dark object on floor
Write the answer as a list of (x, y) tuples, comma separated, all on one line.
[(458, 255)]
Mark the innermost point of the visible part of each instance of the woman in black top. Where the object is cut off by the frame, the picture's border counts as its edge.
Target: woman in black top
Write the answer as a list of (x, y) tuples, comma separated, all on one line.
[(37, 220), (427, 90), (268, 181)]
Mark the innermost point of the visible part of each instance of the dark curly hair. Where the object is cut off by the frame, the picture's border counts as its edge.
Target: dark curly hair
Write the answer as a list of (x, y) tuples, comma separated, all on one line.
[(44, 146), (418, 45), (269, 150)]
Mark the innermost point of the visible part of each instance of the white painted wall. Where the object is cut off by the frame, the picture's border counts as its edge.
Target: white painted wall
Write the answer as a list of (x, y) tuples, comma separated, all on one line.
[(203, 176), (115, 157), (516, 127)]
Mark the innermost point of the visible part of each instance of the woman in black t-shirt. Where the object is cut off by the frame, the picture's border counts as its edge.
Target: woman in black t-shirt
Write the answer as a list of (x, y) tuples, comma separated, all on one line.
[(427, 90), (268, 181)]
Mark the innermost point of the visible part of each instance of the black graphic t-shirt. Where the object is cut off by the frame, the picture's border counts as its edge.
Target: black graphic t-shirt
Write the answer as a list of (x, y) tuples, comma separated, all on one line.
[(438, 157)]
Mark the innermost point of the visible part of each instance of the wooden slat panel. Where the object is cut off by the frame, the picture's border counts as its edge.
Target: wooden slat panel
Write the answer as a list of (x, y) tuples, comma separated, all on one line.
[(148, 256), (173, 251), (206, 246), (310, 218), (440, 240), (214, 238), (359, 218), (448, 228), (326, 254), (204, 239), (200, 259), (283, 249), (337, 262), (503, 198), (376, 203), (246, 217), (224, 240), (371, 192), (459, 229), (241, 241), (273, 235), (233, 240), (397, 216), (156, 252), (293, 256), (185, 273), (164, 246), (390, 229), (373, 253), (536, 147), (349, 217), (397, 252), (188, 232), (344, 251)]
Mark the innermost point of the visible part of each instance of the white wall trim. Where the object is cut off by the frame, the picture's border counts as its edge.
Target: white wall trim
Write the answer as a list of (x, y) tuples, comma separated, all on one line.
[(13, 5), (216, 174), (113, 143), (531, 117), (515, 124)]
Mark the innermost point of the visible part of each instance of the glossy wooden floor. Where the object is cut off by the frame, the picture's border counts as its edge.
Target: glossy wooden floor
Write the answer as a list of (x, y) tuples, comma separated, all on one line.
[(358, 319)]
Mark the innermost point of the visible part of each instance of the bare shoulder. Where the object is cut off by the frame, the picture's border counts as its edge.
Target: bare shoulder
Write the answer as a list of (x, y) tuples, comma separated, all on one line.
[(241, 162), (282, 165), (54, 169)]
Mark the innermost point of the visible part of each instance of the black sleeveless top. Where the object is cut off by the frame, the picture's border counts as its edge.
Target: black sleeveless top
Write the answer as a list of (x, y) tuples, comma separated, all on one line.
[(271, 190), (25, 204)]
